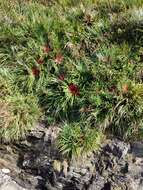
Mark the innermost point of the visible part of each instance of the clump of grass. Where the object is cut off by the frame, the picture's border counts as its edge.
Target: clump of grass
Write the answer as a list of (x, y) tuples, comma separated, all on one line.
[(19, 114), (6, 83), (76, 140), (5, 115), (127, 120)]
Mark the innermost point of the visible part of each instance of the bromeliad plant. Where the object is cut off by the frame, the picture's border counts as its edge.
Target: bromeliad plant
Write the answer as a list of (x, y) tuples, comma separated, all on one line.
[(59, 98)]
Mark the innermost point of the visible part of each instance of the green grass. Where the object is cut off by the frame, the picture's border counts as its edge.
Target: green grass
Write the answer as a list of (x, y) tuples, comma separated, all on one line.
[(82, 61), (77, 139), (18, 116)]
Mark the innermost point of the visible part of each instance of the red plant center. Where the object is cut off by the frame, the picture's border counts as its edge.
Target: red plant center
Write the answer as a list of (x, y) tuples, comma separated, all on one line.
[(46, 49), (74, 90), (35, 71), (61, 77), (40, 61)]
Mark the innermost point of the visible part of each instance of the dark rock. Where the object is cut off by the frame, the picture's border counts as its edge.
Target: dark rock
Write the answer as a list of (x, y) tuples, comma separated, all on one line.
[(137, 149), (117, 148), (124, 169), (51, 134), (107, 186), (57, 186), (36, 134), (98, 183)]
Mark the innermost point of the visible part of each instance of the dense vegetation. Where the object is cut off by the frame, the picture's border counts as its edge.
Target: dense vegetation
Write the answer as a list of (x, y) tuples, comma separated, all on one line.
[(78, 63)]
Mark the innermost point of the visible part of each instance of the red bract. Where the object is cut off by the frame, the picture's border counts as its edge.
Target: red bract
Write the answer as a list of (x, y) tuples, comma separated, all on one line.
[(40, 61), (35, 71), (46, 49), (74, 90), (61, 77), (59, 58)]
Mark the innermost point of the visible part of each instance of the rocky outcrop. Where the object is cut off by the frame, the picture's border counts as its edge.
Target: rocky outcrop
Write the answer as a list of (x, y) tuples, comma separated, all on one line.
[(7, 183), (35, 163)]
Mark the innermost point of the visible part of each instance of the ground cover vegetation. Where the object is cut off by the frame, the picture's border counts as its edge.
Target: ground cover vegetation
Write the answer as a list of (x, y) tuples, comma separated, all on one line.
[(77, 63)]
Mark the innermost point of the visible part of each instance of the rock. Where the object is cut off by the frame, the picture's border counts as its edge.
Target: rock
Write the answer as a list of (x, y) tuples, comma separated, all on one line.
[(135, 177), (4, 178), (10, 162), (51, 133), (124, 169), (50, 187), (137, 149), (5, 170), (57, 186), (36, 134), (83, 171), (119, 181), (98, 183), (74, 175), (11, 186), (7, 183), (29, 181), (35, 163), (117, 148), (25, 144)]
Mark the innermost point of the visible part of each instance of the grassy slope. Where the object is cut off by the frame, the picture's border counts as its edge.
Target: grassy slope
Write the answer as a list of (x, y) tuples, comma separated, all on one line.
[(82, 61)]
